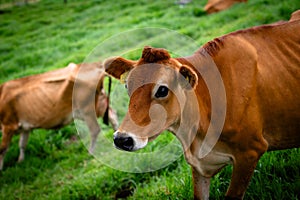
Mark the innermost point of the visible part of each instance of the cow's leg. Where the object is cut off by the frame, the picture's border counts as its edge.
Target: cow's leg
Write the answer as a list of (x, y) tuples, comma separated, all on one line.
[(113, 119), (243, 169), (22, 145), (7, 133), (94, 130), (201, 186)]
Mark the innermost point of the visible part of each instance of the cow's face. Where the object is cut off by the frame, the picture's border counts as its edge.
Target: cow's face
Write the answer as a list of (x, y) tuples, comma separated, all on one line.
[(155, 84)]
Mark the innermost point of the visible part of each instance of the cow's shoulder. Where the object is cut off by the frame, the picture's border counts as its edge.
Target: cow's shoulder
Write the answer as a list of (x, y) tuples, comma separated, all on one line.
[(64, 74), (295, 16), (88, 73)]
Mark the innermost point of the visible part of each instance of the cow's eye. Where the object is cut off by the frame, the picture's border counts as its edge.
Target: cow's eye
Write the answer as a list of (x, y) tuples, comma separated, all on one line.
[(162, 91)]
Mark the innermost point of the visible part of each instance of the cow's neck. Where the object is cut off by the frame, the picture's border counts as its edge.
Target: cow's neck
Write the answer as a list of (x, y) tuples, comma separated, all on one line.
[(195, 119), (202, 65), (211, 104)]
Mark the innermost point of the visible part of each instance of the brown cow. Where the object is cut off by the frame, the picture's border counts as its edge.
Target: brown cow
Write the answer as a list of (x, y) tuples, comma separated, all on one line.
[(258, 95), (45, 101), (213, 6)]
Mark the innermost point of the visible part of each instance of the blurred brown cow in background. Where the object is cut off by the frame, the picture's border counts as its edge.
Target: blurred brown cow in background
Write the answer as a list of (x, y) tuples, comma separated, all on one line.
[(219, 5), (48, 100), (213, 6)]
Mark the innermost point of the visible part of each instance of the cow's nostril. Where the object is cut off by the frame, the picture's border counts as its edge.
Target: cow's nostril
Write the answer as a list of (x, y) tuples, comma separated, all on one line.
[(124, 143), (128, 143)]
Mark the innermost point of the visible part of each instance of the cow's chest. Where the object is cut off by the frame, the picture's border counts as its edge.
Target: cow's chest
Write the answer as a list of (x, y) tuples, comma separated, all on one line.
[(210, 164)]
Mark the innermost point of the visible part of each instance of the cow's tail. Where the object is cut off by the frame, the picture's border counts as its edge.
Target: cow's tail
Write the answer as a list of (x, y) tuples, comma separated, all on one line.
[(106, 117)]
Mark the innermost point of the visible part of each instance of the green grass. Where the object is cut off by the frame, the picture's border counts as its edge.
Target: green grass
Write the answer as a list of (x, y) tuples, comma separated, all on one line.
[(49, 34)]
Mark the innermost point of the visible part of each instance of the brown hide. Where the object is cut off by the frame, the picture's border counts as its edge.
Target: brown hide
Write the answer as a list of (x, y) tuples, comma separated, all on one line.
[(260, 70), (213, 6), (265, 81), (47, 101)]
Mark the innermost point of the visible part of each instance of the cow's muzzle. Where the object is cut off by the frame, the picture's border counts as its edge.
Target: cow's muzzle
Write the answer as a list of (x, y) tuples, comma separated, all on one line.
[(125, 143)]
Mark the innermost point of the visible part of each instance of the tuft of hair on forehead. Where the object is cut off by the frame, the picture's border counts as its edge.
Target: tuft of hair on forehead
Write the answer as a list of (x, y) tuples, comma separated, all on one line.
[(152, 55)]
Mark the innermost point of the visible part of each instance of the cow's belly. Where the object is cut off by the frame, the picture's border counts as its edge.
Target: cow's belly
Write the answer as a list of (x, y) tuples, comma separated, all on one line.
[(282, 123), (278, 93), (46, 122), (283, 137)]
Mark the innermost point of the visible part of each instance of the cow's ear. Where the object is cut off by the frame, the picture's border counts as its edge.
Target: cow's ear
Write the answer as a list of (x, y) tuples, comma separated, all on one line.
[(117, 66), (188, 78)]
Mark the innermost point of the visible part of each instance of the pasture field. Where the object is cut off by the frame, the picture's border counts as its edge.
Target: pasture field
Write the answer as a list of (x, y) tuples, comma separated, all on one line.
[(50, 34)]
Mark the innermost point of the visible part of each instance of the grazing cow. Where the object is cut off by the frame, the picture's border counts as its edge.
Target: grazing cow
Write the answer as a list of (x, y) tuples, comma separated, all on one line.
[(259, 94), (45, 101), (213, 6)]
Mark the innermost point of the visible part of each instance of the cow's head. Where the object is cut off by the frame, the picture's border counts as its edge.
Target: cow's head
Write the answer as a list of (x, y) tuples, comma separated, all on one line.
[(156, 84)]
